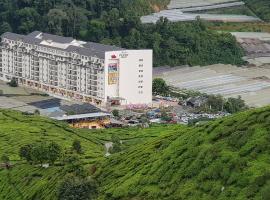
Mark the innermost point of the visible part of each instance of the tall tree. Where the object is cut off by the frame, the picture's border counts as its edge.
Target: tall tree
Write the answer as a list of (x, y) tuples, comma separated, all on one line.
[(56, 19)]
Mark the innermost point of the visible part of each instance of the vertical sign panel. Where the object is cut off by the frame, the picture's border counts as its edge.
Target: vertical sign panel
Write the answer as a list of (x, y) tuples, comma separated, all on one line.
[(113, 73)]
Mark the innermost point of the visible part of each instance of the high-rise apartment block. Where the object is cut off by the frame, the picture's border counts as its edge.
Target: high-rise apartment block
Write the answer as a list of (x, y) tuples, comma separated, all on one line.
[(69, 68)]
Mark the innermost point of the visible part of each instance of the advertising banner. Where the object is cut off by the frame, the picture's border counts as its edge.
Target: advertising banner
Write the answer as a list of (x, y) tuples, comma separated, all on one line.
[(113, 73)]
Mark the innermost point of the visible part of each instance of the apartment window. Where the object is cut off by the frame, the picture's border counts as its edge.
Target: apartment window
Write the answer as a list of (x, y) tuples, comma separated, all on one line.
[(141, 60), (140, 87), (140, 70), (140, 76)]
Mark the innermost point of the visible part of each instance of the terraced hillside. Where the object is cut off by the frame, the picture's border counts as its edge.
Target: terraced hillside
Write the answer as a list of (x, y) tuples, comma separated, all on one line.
[(225, 159), (24, 181)]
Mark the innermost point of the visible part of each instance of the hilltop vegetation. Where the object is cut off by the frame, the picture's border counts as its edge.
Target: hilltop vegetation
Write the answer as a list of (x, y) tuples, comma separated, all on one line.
[(118, 23), (224, 159)]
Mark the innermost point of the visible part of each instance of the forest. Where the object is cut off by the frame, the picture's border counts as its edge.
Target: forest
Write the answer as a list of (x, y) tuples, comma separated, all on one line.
[(117, 22)]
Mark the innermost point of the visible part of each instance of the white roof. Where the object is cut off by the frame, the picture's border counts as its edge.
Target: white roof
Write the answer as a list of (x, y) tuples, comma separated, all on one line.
[(81, 116)]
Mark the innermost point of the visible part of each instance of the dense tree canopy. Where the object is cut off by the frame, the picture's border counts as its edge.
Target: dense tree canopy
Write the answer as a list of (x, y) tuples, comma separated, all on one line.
[(117, 22), (160, 87)]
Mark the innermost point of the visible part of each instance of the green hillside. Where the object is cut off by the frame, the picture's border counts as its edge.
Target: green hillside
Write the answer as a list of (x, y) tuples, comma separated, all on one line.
[(24, 181), (225, 159), (27, 182)]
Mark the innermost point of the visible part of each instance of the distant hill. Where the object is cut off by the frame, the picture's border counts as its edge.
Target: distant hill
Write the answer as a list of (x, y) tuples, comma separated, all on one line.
[(224, 159)]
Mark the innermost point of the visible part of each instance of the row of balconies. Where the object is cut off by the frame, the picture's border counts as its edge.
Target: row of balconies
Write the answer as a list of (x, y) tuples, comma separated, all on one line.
[(35, 74), (18, 69), (19, 74), (34, 68), (51, 62), (92, 88), (18, 64), (34, 58), (91, 82), (53, 73), (18, 59), (92, 93), (53, 68), (53, 78), (53, 83), (72, 72), (72, 77), (35, 78), (74, 83), (34, 63), (72, 68), (94, 72), (17, 55)]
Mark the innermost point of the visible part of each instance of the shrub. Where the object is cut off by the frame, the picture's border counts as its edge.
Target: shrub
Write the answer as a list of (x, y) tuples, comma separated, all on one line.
[(266, 192), (13, 83), (6, 161), (54, 152), (74, 165), (76, 145), (40, 152), (115, 113), (73, 188), (37, 112), (25, 152), (160, 87)]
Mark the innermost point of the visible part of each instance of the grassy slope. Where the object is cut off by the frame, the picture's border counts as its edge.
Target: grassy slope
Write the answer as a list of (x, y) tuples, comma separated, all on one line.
[(225, 159), (28, 182)]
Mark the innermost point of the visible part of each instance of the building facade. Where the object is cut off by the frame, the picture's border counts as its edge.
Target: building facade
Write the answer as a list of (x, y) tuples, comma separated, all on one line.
[(72, 69)]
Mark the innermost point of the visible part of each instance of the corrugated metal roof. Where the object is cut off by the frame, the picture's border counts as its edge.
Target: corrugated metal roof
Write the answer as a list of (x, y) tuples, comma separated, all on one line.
[(81, 116)]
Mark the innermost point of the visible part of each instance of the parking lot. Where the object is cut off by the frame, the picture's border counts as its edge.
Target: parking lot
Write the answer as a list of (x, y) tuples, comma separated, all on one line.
[(29, 100)]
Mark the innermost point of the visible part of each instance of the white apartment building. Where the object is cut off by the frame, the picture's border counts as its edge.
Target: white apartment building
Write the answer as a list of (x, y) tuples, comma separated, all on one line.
[(84, 71)]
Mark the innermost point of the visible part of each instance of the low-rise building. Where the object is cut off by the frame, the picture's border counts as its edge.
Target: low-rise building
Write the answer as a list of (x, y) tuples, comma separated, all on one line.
[(88, 121)]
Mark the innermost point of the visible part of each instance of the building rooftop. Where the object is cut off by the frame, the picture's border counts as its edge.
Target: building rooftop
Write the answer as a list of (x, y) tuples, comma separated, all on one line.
[(68, 44), (82, 116)]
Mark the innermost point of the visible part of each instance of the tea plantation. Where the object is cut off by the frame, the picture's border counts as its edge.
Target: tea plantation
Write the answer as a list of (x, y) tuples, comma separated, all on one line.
[(25, 181), (225, 159), (228, 158)]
